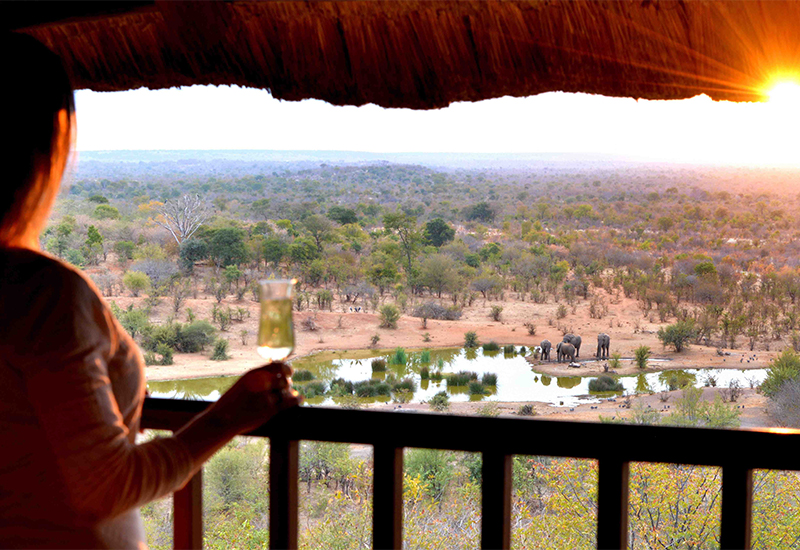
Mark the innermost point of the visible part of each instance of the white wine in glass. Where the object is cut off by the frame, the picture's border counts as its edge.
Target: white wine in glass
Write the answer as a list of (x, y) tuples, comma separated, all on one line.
[(275, 328)]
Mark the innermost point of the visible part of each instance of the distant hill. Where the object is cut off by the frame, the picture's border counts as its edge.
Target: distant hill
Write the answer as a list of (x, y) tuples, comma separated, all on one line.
[(293, 160)]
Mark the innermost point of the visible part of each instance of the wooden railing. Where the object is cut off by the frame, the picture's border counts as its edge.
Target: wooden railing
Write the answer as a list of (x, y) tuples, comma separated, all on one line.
[(614, 446)]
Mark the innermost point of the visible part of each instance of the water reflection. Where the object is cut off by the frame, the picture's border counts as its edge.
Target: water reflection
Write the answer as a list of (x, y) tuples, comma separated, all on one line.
[(516, 381)]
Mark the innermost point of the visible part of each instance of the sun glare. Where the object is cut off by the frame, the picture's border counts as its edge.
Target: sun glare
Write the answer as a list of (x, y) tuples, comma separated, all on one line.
[(785, 93)]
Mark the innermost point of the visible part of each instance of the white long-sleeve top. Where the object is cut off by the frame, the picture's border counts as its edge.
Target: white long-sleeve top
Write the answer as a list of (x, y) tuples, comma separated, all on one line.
[(71, 391)]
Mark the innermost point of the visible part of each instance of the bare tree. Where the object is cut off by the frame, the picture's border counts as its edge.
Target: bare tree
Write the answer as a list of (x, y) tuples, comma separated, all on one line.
[(184, 216)]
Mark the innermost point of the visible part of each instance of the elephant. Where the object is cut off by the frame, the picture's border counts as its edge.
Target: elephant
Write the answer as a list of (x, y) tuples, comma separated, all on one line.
[(575, 341), (546, 345), (564, 350), (603, 343)]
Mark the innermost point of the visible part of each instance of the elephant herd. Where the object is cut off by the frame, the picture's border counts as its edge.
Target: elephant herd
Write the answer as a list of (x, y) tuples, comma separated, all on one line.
[(570, 347)]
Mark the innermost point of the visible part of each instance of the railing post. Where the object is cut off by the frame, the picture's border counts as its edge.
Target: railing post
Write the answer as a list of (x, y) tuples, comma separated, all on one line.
[(187, 525), (737, 507), (496, 501), (387, 499), (612, 504), (283, 461)]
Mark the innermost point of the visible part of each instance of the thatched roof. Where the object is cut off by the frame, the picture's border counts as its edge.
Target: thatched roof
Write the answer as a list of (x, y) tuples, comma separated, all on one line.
[(424, 54)]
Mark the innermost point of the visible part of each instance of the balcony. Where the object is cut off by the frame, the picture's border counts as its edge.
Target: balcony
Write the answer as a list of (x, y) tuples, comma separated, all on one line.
[(738, 453)]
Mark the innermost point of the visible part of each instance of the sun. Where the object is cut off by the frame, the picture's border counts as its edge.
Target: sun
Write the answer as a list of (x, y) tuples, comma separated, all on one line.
[(786, 93)]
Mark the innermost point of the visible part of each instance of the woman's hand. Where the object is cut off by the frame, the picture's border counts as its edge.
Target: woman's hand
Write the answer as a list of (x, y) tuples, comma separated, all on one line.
[(256, 397)]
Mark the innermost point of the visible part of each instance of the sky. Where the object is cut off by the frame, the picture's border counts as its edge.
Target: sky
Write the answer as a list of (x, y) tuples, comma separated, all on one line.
[(225, 117)]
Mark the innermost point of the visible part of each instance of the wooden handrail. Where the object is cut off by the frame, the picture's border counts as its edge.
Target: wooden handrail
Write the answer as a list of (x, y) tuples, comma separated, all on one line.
[(737, 452)]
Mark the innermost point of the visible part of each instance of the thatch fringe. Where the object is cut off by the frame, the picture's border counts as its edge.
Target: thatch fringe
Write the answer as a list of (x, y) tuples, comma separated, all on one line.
[(427, 54)]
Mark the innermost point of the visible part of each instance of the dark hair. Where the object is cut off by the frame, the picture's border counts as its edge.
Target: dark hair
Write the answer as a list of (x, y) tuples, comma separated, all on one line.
[(35, 96)]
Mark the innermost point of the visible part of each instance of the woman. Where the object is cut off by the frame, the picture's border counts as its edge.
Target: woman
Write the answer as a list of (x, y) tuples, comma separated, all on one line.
[(71, 380)]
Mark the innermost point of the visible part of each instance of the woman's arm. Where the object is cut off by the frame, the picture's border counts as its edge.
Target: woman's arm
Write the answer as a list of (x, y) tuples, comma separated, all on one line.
[(63, 363), (250, 402)]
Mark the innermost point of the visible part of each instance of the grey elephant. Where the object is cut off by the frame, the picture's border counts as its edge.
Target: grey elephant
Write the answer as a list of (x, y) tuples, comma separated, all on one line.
[(603, 343), (565, 350), (575, 341), (546, 346)]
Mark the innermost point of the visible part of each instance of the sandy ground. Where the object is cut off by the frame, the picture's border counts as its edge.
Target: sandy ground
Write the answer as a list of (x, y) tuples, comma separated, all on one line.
[(342, 330)]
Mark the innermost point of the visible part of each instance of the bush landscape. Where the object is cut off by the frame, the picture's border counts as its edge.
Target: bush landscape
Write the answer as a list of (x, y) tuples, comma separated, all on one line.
[(684, 267)]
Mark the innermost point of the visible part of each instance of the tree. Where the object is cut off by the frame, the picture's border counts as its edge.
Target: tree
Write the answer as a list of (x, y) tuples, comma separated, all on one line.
[(405, 227), (438, 232), (184, 216), (191, 252), (98, 199), (59, 243), (481, 212), (124, 250), (136, 282), (784, 369), (678, 334), (93, 246), (106, 212), (274, 250), (320, 229), (438, 272), (342, 215), (227, 247)]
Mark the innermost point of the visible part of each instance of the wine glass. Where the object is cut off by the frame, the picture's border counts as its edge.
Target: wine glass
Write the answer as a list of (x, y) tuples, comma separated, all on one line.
[(275, 329)]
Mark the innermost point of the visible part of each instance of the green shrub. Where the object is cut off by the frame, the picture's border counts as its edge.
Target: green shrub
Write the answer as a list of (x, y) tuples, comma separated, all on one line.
[(340, 386), (495, 314), (432, 310), (371, 388), (302, 375), (509, 349), (154, 336), (641, 356), (136, 282), (615, 361), (678, 335), (432, 467), (523, 350), (605, 384), (405, 384), (489, 379), (166, 355), (220, 352), (424, 373), (526, 410), (440, 402), (195, 337), (461, 378), (489, 410), (399, 357), (784, 369), (378, 365), (437, 376), (150, 358), (471, 340), (491, 346), (312, 389), (191, 338), (425, 356), (476, 388), (389, 316)]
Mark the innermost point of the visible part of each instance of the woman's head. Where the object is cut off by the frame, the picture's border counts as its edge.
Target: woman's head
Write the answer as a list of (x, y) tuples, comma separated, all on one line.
[(38, 111)]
